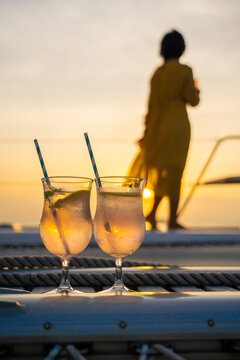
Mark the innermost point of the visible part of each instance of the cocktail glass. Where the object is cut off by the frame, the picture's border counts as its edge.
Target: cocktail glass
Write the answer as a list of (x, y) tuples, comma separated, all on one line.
[(66, 224), (119, 224)]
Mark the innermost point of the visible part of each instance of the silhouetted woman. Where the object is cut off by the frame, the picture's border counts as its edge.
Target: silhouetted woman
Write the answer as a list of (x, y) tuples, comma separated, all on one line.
[(165, 143)]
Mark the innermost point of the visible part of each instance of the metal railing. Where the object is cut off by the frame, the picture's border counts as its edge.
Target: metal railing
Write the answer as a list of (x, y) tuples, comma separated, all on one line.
[(206, 165)]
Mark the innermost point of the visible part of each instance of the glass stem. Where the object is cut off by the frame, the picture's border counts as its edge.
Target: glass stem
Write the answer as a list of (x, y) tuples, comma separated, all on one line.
[(65, 283), (118, 281)]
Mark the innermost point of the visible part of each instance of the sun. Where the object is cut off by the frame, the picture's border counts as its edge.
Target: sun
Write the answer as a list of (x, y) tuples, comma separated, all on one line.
[(147, 193)]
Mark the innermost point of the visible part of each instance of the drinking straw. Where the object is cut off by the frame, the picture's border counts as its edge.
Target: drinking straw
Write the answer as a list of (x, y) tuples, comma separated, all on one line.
[(92, 160), (42, 162), (99, 184), (54, 212)]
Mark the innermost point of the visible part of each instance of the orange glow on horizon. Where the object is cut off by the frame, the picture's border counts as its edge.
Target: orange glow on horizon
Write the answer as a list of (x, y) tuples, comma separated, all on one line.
[(70, 89)]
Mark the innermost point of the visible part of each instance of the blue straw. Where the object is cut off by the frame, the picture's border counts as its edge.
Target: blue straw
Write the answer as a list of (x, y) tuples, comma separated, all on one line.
[(57, 221), (42, 162), (92, 160), (99, 184)]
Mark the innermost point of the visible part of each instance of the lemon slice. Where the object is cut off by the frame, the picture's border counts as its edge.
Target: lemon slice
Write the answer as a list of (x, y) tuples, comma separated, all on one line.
[(128, 194), (71, 199)]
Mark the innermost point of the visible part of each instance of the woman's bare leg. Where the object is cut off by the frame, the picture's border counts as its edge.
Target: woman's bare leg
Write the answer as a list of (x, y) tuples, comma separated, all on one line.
[(174, 186), (173, 224), (151, 218)]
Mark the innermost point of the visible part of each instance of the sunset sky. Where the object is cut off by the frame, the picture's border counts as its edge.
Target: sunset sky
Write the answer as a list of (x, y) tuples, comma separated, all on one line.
[(67, 67)]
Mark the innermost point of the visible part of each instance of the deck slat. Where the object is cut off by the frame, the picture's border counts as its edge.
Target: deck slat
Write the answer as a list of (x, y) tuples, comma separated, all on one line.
[(186, 289), (152, 289), (86, 289), (43, 289), (219, 288)]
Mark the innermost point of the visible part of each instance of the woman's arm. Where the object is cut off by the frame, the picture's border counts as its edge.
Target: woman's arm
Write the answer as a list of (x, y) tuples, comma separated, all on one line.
[(190, 94)]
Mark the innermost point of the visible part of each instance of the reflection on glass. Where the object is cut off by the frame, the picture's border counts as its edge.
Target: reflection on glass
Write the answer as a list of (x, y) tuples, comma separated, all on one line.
[(119, 224), (66, 224)]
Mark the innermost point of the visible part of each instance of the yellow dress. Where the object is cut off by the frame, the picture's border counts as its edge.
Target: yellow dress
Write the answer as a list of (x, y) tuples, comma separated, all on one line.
[(165, 143)]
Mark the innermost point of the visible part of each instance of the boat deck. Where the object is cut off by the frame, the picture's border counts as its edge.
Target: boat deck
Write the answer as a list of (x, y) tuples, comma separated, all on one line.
[(174, 312)]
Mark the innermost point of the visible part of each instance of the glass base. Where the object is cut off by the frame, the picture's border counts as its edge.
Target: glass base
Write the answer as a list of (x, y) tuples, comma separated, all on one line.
[(64, 291), (116, 289)]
